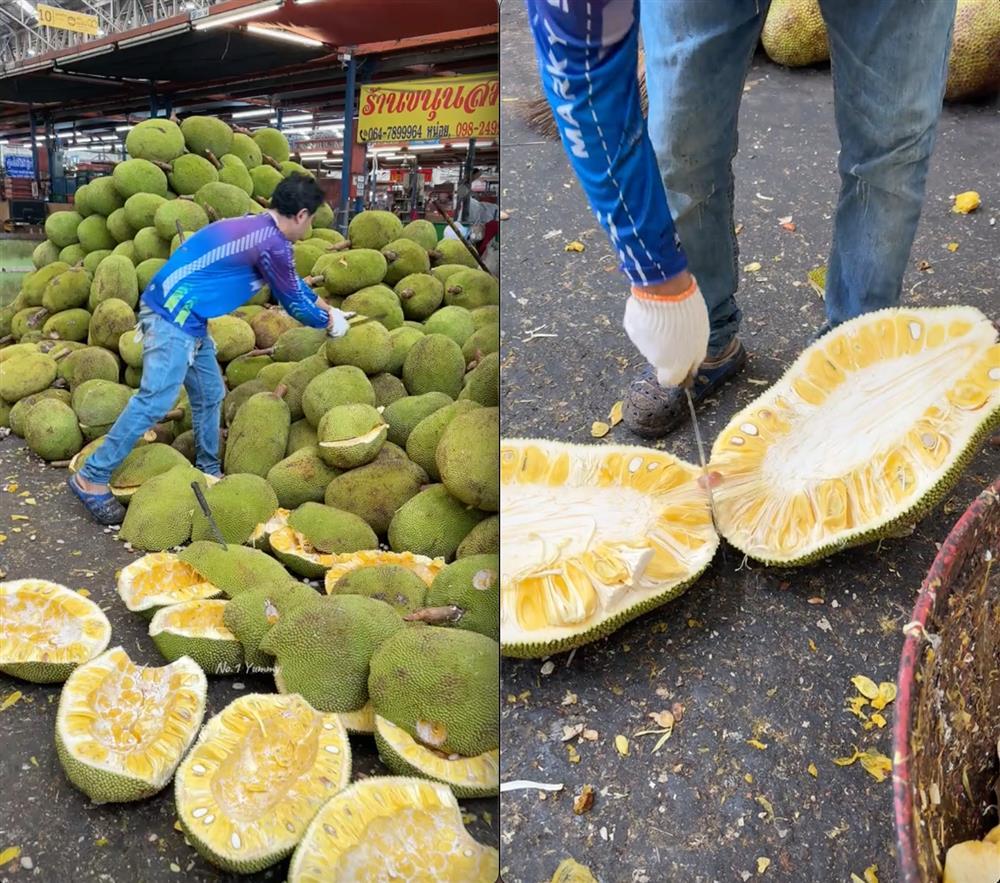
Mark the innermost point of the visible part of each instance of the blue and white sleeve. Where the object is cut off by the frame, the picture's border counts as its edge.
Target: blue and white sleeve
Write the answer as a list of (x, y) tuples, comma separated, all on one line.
[(587, 53), (278, 267)]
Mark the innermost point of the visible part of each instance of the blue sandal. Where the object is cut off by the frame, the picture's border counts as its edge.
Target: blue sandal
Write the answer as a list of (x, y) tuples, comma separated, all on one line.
[(103, 508)]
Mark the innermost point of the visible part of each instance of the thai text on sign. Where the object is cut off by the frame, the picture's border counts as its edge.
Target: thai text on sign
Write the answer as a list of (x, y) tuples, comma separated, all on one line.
[(435, 109), (66, 20)]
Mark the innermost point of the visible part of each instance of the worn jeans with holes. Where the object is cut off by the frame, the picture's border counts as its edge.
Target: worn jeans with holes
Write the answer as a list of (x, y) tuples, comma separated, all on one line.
[(170, 358), (889, 61)]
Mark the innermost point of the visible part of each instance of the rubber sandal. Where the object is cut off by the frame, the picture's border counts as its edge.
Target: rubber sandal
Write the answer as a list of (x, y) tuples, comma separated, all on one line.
[(103, 508), (651, 410)]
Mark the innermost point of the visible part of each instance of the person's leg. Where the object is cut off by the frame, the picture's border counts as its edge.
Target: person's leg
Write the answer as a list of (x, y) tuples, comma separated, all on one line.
[(206, 390), (890, 63), (697, 55)]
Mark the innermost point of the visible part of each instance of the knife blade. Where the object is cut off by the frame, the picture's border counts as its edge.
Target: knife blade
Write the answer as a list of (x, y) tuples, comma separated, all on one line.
[(701, 453)]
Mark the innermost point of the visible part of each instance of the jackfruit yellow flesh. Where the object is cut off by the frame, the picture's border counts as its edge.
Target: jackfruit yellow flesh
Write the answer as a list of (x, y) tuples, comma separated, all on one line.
[(866, 431), (591, 537)]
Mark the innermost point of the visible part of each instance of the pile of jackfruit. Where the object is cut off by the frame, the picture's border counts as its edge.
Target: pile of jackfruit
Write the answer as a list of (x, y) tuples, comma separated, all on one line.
[(359, 546)]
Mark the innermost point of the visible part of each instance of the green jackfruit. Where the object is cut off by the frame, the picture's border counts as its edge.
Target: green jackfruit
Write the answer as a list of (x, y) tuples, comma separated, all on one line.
[(89, 363), (422, 442), (93, 259), (306, 255), (974, 63), (398, 587), (68, 324), (251, 615), (422, 232), (19, 410), (110, 318), (139, 176), (301, 434), (434, 364), (323, 217), (345, 272), (332, 530), (20, 327), (191, 216), (374, 492), (81, 205), (404, 414), (146, 270), (97, 404), (471, 289), (440, 686), (468, 458), (247, 150), (103, 196), (483, 539), (388, 389), (194, 629), (298, 343), (189, 173), (350, 435), (94, 235), (432, 523), (224, 200), (301, 477), (156, 139), (45, 253), (265, 178), (366, 346), (258, 435), (68, 289), (420, 295), (25, 375), (298, 379), (321, 232), (451, 251), (73, 254), (233, 337), (119, 227), (235, 569), (149, 244), (443, 272), (34, 284), (794, 33), (482, 384), (453, 321), (127, 249), (289, 168), (132, 377), (377, 302), (274, 373), (404, 257), (159, 514), (473, 586), (51, 430), (323, 649), (238, 503), (236, 398), (272, 143), (374, 229), (234, 172), (204, 135), (61, 228), (143, 463), (244, 368), (269, 325), (482, 342), (342, 385), (115, 278)]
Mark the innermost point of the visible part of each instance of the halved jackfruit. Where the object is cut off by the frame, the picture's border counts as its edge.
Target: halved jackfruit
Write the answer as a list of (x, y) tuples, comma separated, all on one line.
[(122, 728), (261, 536), (47, 630), (592, 537), (160, 579), (196, 629), (293, 550), (259, 772), (477, 776), (389, 828), (865, 432), (424, 567)]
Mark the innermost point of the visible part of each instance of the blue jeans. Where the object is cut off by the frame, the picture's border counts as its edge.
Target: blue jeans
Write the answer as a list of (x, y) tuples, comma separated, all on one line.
[(170, 358), (889, 60)]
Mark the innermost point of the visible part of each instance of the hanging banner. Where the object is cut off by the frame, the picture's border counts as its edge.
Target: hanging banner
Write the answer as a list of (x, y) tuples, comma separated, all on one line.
[(19, 166), (437, 109), (66, 20)]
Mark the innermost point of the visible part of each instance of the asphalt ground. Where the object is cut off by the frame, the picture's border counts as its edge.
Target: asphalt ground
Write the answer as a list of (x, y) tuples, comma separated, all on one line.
[(761, 659)]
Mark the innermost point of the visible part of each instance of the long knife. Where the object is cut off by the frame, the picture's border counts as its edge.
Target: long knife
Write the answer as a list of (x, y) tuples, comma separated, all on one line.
[(701, 451)]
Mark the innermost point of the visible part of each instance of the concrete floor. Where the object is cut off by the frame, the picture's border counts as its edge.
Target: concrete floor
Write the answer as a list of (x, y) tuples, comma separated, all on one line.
[(752, 653)]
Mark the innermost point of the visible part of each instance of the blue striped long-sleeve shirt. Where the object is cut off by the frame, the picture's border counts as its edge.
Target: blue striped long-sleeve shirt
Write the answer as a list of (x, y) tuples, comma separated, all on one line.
[(587, 53), (221, 266)]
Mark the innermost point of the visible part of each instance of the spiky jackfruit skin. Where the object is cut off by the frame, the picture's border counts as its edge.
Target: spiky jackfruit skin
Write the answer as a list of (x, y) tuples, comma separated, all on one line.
[(374, 229), (234, 172), (473, 585), (51, 430), (61, 228), (232, 336), (238, 503), (974, 63), (142, 464), (350, 435), (225, 200), (420, 295), (119, 227), (33, 287), (403, 258), (434, 364), (158, 140), (472, 289), (345, 272), (398, 587), (269, 325), (159, 514), (238, 397), (341, 385), (247, 150), (422, 232), (265, 179), (93, 260), (454, 322), (272, 143), (432, 523), (451, 251), (139, 176), (482, 383), (73, 254), (93, 234), (258, 435), (245, 368), (81, 205), (128, 250), (377, 302), (332, 530), (235, 569), (322, 650), (440, 686), (115, 277), (323, 219), (482, 342), (422, 442), (388, 389), (68, 325), (443, 272), (468, 458), (298, 344), (103, 196), (191, 216), (67, 290), (190, 173), (794, 33), (140, 210), (28, 374), (252, 613), (89, 363), (110, 319), (301, 434), (214, 655), (149, 244), (207, 134), (366, 346), (376, 491), (301, 477), (404, 414), (45, 253), (306, 254), (402, 339)]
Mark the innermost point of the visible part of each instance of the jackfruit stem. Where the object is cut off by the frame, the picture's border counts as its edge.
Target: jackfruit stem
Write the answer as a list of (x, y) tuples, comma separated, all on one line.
[(37, 318), (436, 615), (175, 414), (339, 246), (271, 161), (262, 200), (162, 166), (263, 351), (280, 390), (390, 256), (213, 215), (61, 354), (9, 338), (213, 159)]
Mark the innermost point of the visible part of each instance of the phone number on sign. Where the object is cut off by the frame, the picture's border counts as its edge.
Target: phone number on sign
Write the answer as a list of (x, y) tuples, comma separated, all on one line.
[(432, 132)]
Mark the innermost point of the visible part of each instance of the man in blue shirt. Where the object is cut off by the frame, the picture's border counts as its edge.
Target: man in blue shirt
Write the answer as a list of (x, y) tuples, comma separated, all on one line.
[(889, 62), (215, 271)]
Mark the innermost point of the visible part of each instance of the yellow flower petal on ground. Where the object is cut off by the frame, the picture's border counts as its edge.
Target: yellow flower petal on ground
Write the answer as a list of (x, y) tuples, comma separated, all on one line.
[(966, 202), (621, 745), (599, 429), (865, 686)]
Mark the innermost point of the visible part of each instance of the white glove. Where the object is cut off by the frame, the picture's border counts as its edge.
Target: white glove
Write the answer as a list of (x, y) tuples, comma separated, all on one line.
[(338, 325), (670, 331)]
